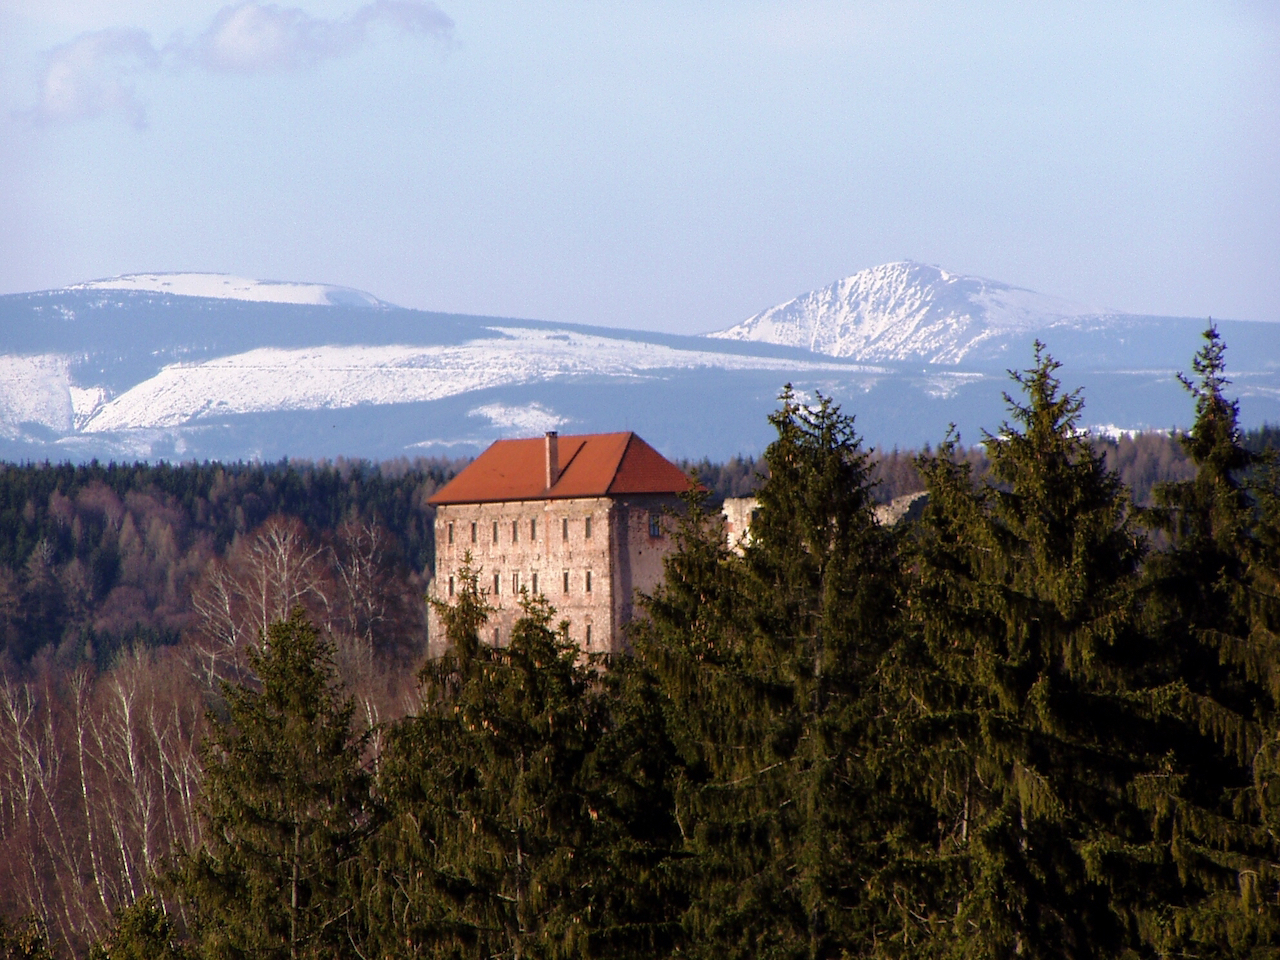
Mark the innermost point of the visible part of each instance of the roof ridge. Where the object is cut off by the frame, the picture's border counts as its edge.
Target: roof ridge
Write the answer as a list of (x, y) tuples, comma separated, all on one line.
[(617, 467), (609, 464), (563, 468)]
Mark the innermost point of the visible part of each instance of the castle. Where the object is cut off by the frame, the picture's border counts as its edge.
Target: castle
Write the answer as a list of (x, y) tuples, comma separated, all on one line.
[(583, 520)]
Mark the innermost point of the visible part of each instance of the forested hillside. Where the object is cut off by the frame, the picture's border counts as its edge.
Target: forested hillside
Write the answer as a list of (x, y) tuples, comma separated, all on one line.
[(1142, 461), (94, 558), (127, 594), (1040, 721)]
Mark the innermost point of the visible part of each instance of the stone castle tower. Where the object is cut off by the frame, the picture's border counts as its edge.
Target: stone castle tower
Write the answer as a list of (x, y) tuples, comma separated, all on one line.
[(582, 520)]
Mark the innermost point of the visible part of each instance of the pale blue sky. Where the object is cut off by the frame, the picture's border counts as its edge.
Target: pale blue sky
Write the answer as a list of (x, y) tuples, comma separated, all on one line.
[(673, 166)]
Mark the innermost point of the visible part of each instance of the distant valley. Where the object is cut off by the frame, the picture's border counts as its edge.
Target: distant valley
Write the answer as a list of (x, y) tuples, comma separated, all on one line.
[(204, 366)]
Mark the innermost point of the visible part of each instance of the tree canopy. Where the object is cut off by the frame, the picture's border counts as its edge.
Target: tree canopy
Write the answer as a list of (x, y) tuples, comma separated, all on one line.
[(1041, 720)]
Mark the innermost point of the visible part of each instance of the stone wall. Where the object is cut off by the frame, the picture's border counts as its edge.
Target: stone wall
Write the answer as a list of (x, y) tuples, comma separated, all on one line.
[(586, 556), (907, 508), (738, 513), (642, 537)]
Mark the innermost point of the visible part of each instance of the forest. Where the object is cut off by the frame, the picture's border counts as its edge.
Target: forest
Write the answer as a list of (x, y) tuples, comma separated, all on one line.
[(1039, 721)]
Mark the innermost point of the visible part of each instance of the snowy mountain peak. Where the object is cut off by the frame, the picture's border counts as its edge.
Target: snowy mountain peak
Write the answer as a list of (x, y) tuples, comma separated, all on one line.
[(909, 311), (181, 366), (221, 286)]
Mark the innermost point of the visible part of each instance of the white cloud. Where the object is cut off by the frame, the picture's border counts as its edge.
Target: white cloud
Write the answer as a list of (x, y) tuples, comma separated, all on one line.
[(91, 75), (254, 37)]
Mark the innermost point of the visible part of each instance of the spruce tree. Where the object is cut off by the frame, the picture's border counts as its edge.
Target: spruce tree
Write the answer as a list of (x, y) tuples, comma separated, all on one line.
[(823, 578), (25, 940), (286, 806), (766, 663), (694, 643), (1215, 603), (529, 813), (1208, 520), (1021, 714), (141, 931)]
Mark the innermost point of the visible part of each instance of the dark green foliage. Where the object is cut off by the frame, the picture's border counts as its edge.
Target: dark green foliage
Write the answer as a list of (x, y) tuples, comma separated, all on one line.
[(736, 477), (1021, 713), (226, 498), (141, 931), (1263, 438), (1215, 603), (1209, 516), (529, 813), (287, 805), (1142, 461), (822, 578), (1038, 722), (24, 940), (765, 663), (823, 569), (693, 643)]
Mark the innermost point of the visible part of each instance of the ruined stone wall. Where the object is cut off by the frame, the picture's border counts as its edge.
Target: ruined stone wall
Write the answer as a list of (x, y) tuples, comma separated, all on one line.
[(738, 513)]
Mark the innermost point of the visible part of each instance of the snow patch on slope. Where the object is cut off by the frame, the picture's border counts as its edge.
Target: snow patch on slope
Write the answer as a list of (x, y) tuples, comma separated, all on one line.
[(35, 390), (221, 286), (520, 421), (908, 311), (332, 377), (86, 402)]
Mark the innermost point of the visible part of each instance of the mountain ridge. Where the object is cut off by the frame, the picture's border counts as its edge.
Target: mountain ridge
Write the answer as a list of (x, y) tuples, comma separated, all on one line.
[(908, 311), (225, 286), (153, 369)]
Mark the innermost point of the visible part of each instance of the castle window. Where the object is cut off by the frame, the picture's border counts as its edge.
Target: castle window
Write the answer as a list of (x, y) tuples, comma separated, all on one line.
[(497, 582), (515, 531), (473, 532), (587, 529), (535, 584), (588, 582), (566, 581), (495, 531), (451, 586), (533, 529), (564, 529), (515, 583), (655, 525), (451, 534), (495, 636), (588, 634)]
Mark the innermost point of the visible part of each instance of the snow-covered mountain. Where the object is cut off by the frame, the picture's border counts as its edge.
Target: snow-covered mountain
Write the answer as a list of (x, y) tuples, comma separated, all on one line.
[(208, 366), (913, 312), (221, 286), (337, 377), (181, 365)]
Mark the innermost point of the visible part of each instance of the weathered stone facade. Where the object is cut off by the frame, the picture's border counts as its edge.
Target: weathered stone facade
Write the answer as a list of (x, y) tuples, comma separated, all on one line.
[(583, 521), (587, 556), (738, 513)]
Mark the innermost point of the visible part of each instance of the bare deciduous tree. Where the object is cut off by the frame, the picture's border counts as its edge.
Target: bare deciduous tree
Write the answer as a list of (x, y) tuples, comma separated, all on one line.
[(264, 577), (98, 787)]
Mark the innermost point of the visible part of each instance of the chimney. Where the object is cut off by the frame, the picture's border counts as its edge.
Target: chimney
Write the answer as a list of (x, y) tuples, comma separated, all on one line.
[(553, 458)]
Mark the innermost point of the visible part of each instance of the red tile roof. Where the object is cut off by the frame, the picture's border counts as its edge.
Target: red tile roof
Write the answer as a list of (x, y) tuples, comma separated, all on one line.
[(591, 465)]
